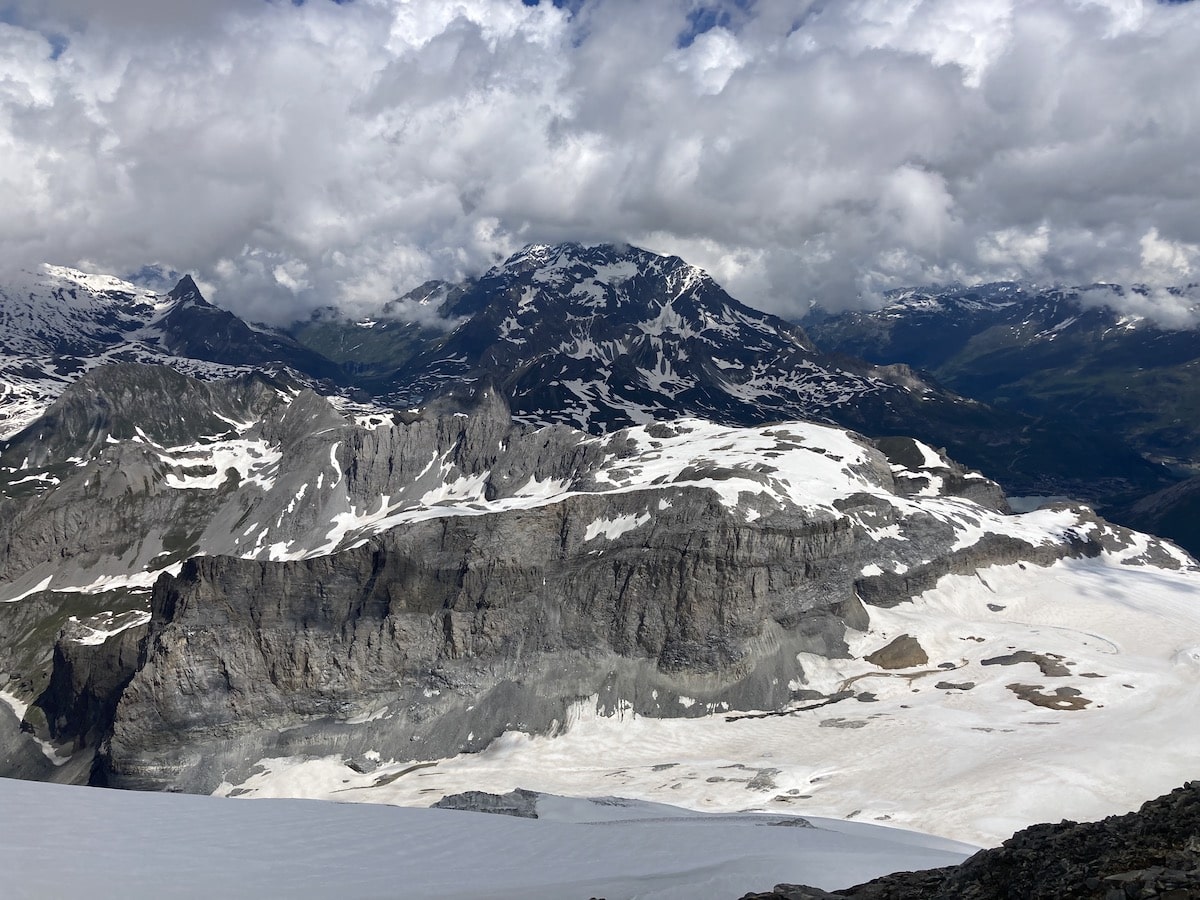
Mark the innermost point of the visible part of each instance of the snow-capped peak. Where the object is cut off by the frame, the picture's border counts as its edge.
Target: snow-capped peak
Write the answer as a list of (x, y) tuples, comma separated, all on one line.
[(98, 284), (57, 323), (606, 262)]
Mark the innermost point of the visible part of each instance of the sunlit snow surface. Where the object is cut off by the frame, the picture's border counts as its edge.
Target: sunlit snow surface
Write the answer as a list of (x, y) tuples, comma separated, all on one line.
[(973, 764), (128, 845)]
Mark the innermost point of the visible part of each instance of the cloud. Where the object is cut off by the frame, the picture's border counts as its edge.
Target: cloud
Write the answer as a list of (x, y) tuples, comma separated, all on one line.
[(143, 15), (1020, 250), (1174, 308), (1170, 261), (298, 155)]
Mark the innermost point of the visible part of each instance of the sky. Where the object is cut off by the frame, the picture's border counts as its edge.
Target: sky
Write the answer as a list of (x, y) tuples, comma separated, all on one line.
[(292, 155)]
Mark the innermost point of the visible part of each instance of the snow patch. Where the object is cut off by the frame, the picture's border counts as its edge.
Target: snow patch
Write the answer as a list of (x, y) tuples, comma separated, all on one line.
[(614, 528)]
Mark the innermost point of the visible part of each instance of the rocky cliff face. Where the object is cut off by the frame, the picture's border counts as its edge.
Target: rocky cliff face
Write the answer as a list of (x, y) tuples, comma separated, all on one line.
[(445, 634), (440, 636), (323, 584)]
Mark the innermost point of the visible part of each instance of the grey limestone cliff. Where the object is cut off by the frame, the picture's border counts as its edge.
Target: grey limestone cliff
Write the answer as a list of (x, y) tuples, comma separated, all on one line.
[(425, 582)]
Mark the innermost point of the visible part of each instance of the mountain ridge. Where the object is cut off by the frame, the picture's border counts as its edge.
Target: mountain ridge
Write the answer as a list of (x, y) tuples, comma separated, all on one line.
[(604, 337), (1055, 356)]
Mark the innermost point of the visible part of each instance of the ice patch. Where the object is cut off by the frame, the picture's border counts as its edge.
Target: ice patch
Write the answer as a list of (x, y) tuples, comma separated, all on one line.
[(255, 462), (335, 464), (15, 703)]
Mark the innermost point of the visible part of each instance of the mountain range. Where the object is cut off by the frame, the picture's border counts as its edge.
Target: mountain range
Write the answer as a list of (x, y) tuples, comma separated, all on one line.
[(589, 523), (594, 337), (1053, 352), (1068, 358)]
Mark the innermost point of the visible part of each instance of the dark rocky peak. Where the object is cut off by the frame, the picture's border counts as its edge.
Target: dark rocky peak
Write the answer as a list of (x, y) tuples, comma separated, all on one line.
[(595, 306), (187, 292), (196, 329), (573, 286)]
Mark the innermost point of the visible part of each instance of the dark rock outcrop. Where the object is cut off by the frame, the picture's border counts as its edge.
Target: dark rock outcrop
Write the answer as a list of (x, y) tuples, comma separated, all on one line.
[(519, 803), (196, 329), (902, 653), (1151, 853), (85, 684)]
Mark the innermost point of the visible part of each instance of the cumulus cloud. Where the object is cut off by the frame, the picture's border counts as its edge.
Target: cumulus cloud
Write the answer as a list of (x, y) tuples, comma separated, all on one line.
[(297, 155)]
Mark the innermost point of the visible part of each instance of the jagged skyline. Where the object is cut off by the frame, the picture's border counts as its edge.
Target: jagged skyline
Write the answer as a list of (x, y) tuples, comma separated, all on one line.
[(296, 155)]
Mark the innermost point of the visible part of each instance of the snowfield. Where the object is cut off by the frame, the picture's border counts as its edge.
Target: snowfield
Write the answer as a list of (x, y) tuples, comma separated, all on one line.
[(129, 845), (960, 747)]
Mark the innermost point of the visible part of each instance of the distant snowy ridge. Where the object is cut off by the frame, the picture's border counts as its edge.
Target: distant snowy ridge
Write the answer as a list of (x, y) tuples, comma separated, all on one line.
[(1108, 369), (58, 323), (1164, 307), (596, 337)]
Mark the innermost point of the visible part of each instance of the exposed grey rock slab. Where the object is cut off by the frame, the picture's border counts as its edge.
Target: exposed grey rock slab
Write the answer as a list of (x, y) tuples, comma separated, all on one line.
[(436, 579), (519, 802)]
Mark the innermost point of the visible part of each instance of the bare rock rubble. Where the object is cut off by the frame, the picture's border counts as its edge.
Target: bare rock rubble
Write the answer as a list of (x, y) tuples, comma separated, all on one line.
[(1151, 853), (519, 803)]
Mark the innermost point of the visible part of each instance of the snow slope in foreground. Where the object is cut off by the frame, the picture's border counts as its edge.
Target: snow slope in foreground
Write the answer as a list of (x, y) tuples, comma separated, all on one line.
[(70, 841), (956, 747)]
